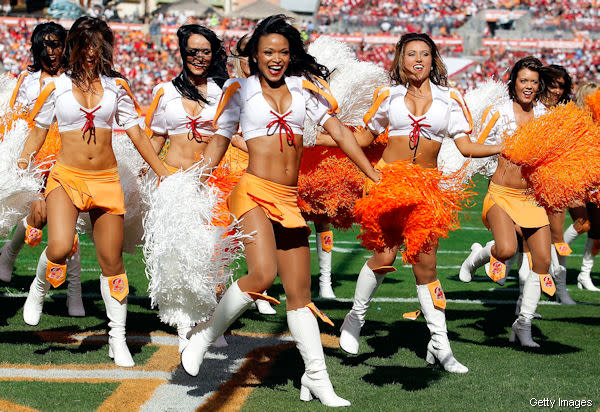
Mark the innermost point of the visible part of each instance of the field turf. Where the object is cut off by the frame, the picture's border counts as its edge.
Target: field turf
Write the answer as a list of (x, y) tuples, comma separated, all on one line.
[(62, 364)]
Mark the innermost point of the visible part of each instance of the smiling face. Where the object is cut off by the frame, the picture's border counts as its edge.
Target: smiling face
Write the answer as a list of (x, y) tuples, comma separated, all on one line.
[(417, 61), (54, 51), (526, 86), (273, 56), (198, 55), (555, 91)]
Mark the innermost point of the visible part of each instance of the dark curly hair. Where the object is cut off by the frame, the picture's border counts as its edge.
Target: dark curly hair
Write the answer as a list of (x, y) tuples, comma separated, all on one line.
[(553, 73), (301, 63), (218, 64), (85, 34), (438, 74), (531, 63), (38, 49)]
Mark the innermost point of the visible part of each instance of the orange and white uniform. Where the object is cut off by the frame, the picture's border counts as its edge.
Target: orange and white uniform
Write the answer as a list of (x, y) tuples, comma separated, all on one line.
[(167, 116), (448, 116), (27, 90), (87, 188), (500, 121), (243, 104)]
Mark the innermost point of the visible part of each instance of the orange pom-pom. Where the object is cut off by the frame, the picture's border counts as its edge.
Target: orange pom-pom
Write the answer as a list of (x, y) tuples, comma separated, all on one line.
[(224, 178), (328, 186), (330, 190), (410, 208), (559, 155), (47, 154), (593, 102)]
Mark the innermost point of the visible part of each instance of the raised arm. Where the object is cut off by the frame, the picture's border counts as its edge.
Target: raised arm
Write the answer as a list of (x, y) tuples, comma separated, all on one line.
[(346, 141)]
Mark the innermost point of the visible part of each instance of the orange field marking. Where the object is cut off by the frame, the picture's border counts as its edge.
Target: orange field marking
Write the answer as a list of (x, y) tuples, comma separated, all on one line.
[(14, 407), (130, 395), (232, 394)]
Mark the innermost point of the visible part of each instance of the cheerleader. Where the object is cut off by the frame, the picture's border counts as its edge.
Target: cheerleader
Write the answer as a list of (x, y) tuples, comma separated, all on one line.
[(85, 101), (507, 211), (47, 44), (182, 111), (420, 110), (270, 106), (558, 91), (585, 218)]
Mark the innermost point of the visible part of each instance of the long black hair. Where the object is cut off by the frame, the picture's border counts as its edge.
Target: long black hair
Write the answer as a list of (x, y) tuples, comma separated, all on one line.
[(532, 63), (301, 63), (38, 49), (553, 73), (217, 70)]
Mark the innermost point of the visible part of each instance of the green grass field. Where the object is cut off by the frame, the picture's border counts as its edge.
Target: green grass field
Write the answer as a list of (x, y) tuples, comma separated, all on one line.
[(62, 364)]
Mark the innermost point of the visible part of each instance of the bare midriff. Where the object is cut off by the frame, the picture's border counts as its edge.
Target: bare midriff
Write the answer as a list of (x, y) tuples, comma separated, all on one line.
[(184, 152), (398, 149), (509, 175), (268, 162), (78, 153)]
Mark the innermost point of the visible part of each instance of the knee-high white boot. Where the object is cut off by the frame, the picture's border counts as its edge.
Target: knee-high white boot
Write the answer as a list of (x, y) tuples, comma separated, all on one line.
[(584, 281), (10, 251), (324, 257), (438, 347), (74, 301), (524, 269), (559, 273), (182, 332), (366, 285), (232, 305), (570, 235), (264, 307), (509, 263), (32, 311), (521, 328), (315, 381), (117, 317), (478, 257)]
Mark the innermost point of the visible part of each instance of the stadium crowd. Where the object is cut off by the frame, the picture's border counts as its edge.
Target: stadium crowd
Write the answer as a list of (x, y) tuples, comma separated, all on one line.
[(148, 60)]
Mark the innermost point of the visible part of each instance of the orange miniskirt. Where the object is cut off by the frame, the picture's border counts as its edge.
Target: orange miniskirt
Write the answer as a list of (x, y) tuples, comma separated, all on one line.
[(521, 209), (89, 189), (279, 202)]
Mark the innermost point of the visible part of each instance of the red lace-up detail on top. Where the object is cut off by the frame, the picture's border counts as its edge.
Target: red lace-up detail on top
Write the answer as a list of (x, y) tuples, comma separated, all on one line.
[(283, 125), (193, 125), (415, 134), (89, 124)]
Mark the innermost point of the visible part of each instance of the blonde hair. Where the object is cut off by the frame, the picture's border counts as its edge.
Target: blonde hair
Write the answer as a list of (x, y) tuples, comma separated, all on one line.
[(584, 91), (237, 59)]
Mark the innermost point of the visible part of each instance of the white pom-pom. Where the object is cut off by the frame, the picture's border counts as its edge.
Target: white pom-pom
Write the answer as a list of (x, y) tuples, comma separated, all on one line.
[(352, 82), (7, 85), (130, 165), (18, 188), (187, 257), (490, 93)]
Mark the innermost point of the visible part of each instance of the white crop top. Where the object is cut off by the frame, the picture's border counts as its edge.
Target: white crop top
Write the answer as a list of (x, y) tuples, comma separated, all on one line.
[(500, 121), (27, 89), (168, 116), (244, 103), (448, 115), (57, 103)]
